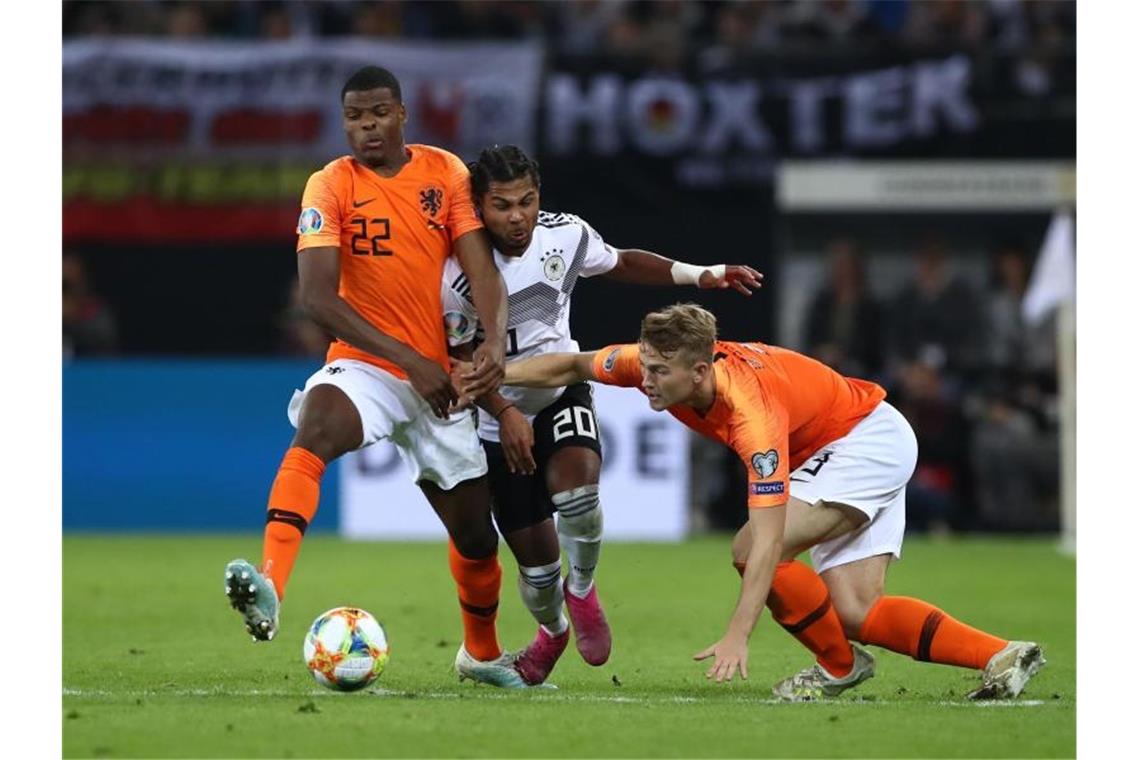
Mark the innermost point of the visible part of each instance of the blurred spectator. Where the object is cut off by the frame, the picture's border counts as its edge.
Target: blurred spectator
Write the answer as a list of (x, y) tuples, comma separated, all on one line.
[(89, 327), (943, 23), (300, 335), (938, 492), (739, 29), (185, 21), (378, 20), (1011, 344), (276, 22), (581, 26), (830, 20), (937, 314), (1017, 466), (1015, 448), (844, 321)]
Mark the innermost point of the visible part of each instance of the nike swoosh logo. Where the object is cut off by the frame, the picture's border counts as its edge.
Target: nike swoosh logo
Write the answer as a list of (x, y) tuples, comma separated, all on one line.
[(798, 480), (358, 204)]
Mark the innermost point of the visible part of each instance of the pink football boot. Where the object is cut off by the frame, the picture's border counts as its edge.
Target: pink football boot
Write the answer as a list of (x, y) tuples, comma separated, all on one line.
[(536, 661), (591, 631)]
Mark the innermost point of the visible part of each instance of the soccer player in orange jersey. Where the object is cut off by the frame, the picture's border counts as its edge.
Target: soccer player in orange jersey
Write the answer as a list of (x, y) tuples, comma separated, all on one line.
[(374, 232), (828, 462)]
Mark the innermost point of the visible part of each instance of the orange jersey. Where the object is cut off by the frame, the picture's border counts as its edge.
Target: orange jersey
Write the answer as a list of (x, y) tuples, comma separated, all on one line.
[(394, 234), (773, 407)]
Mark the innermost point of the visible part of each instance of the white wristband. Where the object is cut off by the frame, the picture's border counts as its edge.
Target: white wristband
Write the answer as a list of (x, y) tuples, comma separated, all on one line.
[(690, 274)]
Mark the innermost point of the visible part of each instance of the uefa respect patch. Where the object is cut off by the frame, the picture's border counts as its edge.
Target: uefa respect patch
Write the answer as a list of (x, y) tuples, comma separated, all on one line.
[(310, 221), (766, 489)]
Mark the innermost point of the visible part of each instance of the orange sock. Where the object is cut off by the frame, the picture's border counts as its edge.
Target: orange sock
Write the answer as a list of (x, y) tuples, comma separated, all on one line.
[(478, 581), (799, 601), (926, 633), (292, 504)]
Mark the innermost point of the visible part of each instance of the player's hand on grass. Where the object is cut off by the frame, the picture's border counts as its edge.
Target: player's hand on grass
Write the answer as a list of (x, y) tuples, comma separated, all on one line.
[(489, 367), (743, 278), (517, 438), (433, 384), (730, 654)]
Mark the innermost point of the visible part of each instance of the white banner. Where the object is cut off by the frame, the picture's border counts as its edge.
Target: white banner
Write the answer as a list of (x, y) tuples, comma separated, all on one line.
[(281, 100), (644, 486), (922, 186)]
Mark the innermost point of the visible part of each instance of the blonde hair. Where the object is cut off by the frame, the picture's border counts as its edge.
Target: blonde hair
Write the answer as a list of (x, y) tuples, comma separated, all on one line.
[(681, 328)]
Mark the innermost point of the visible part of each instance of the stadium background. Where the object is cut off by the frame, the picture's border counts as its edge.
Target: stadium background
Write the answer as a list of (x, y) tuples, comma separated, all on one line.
[(941, 136)]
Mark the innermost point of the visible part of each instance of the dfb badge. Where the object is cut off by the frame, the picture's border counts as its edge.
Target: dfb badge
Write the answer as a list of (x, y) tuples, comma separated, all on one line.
[(554, 267)]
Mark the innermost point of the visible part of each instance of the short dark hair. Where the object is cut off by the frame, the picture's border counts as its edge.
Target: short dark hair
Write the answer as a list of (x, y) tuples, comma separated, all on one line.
[(372, 78), (501, 163)]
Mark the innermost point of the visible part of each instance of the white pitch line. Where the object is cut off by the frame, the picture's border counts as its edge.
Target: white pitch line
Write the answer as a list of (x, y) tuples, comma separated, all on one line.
[(544, 696)]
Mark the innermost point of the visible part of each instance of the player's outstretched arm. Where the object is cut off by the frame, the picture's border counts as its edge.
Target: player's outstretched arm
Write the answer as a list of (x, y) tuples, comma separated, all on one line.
[(545, 371), (648, 268), (319, 272), (551, 370), (731, 652), (473, 251)]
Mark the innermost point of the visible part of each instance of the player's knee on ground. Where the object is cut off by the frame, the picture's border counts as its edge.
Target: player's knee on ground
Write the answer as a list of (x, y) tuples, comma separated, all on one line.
[(579, 513)]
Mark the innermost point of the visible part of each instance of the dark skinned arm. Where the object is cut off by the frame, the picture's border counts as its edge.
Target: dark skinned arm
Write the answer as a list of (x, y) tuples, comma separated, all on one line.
[(647, 268), (473, 251), (516, 435)]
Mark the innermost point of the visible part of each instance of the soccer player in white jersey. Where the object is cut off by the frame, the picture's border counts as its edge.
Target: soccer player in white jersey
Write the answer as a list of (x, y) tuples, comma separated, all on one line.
[(542, 445)]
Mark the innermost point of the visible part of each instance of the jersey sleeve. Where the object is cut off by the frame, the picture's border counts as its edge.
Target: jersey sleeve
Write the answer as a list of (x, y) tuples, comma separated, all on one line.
[(460, 320), (461, 216), (761, 441), (319, 223), (618, 365), (600, 256)]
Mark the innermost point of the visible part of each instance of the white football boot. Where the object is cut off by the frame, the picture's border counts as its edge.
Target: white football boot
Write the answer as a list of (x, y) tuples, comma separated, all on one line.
[(815, 682), (1009, 670), (499, 672)]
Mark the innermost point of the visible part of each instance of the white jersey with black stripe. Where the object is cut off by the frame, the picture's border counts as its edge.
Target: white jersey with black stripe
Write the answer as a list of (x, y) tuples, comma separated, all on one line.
[(539, 285)]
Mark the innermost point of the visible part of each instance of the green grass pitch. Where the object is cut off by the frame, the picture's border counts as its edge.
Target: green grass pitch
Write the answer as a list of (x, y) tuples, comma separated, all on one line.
[(157, 665)]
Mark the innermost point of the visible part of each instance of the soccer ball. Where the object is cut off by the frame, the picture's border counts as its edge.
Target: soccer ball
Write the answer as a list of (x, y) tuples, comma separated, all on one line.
[(346, 649)]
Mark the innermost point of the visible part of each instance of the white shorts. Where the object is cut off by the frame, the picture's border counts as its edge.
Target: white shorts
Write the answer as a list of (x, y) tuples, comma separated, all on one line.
[(446, 452), (867, 469)]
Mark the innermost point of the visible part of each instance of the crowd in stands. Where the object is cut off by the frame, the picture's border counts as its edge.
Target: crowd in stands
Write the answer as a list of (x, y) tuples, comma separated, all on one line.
[(977, 382), (593, 26)]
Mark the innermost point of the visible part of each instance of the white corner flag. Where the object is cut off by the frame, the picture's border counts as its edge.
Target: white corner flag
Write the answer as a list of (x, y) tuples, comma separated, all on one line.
[(1054, 278)]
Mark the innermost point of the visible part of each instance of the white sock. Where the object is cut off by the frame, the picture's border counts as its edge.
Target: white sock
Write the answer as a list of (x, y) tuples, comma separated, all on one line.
[(541, 592), (580, 533)]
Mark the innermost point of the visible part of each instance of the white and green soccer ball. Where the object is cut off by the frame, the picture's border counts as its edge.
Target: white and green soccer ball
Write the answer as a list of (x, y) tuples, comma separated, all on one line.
[(346, 649)]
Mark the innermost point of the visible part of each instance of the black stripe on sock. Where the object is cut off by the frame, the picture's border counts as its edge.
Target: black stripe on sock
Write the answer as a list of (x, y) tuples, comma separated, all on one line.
[(814, 615), (287, 517), (578, 504), (480, 611), (542, 581), (929, 628), (578, 512)]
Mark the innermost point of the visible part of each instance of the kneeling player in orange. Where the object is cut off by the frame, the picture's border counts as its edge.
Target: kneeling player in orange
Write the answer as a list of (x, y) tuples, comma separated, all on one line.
[(828, 461)]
